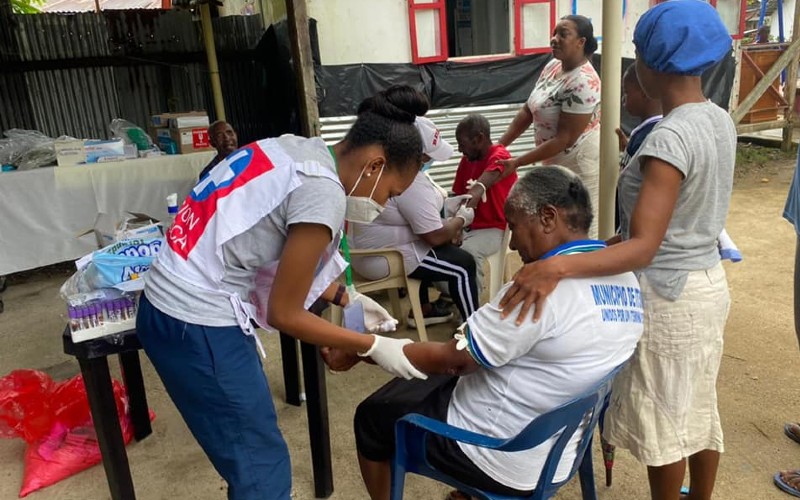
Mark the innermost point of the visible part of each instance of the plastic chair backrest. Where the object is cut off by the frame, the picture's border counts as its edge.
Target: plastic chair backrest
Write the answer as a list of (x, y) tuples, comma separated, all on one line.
[(567, 418)]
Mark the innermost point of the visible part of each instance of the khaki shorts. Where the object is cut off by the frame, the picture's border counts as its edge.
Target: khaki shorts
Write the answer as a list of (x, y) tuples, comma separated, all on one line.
[(664, 403)]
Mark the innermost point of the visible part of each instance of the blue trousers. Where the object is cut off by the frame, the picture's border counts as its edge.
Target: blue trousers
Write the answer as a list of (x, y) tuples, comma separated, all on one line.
[(215, 378)]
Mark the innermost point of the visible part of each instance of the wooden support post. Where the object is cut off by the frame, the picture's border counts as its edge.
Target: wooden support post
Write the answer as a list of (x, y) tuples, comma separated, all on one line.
[(611, 71), (790, 53), (297, 15), (211, 56), (791, 84)]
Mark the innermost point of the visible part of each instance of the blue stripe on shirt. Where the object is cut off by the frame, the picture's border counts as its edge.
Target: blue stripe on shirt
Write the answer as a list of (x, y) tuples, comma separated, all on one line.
[(475, 351)]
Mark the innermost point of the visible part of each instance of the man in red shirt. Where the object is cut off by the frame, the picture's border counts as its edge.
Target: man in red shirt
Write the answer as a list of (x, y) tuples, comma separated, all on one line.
[(479, 175)]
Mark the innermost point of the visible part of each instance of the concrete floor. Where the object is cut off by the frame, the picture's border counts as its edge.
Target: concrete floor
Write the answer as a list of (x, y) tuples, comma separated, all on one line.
[(757, 385)]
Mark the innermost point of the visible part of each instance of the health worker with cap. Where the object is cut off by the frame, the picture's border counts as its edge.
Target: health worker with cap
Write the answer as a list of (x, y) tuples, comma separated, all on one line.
[(674, 198), (413, 223), (564, 109), (256, 242)]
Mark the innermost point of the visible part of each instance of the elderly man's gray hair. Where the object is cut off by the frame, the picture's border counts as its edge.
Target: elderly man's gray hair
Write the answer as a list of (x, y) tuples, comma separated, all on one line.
[(556, 186)]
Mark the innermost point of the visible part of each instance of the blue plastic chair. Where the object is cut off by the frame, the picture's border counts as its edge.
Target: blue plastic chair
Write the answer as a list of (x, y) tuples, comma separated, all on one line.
[(413, 429)]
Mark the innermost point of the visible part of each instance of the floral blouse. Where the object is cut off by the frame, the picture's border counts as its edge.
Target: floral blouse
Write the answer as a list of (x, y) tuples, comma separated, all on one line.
[(576, 91)]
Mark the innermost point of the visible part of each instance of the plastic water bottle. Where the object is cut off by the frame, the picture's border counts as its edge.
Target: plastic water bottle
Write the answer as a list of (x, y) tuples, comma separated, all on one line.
[(172, 210)]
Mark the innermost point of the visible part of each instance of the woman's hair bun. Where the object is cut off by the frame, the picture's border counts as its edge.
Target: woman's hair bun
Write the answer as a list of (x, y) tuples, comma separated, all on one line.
[(398, 103), (591, 46)]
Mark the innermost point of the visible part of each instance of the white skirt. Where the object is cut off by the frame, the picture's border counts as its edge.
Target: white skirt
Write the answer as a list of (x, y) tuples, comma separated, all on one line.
[(664, 403), (584, 160)]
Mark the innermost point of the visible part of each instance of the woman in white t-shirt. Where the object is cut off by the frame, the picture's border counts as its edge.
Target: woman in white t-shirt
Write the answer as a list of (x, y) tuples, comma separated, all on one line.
[(564, 109)]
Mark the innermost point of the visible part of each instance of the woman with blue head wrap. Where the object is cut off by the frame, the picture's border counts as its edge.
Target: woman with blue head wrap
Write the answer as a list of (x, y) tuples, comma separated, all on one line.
[(674, 197)]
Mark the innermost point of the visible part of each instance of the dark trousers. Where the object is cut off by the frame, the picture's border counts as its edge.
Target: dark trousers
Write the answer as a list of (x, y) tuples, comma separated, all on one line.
[(374, 426), (455, 266), (215, 378)]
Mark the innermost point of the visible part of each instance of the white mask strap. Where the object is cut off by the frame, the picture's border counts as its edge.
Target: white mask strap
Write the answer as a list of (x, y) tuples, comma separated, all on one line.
[(360, 176), (376, 182)]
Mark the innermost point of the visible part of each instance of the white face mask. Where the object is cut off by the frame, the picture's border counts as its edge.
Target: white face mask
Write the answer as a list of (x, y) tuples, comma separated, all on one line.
[(363, 209)]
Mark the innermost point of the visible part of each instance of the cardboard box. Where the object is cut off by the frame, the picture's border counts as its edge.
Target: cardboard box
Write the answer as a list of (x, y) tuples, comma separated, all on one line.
[(189, 121), (100, 151), (161, 121), (191, 140), (69, 152)]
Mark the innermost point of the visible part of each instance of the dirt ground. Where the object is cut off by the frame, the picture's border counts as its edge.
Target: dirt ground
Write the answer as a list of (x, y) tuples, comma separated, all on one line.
[(756, 384)]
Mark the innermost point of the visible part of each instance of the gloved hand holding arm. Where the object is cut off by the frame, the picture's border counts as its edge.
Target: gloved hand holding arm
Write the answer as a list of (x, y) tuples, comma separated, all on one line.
[(388, 354), (467, 214), (453, 203)]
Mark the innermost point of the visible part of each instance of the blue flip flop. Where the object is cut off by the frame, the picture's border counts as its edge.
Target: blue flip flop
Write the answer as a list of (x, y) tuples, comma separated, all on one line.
[(780, 483), (684, 490), (791, 435)]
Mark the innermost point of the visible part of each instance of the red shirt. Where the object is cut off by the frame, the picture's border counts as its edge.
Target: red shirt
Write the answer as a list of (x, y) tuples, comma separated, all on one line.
[(489, 214)]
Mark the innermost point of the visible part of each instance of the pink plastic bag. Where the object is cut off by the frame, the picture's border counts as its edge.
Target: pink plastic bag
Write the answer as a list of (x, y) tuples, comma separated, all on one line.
[(54, 419)]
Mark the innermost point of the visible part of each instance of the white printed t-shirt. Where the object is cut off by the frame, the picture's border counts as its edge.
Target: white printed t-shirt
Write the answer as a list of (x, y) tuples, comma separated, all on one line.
[(588, 327), (557, 91)]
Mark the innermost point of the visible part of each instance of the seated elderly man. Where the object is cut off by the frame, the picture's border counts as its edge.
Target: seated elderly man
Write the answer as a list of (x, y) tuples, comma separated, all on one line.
[(222, 138), (498, 377)]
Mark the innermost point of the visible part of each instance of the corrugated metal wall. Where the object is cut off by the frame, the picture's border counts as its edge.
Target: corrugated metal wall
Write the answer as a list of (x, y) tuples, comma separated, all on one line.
[(71, 74), (499, 116)]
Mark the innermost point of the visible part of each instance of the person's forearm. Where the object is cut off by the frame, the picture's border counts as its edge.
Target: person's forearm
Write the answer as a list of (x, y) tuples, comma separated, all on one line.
[(439, 358), (312, 329), (449, 230), (336, 294), (628, 255), (489, 179), (518, 125), (547, 149), (482, 186)]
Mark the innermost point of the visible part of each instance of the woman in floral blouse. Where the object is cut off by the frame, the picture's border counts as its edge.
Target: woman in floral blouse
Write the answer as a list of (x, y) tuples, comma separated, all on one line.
[(564, 109)]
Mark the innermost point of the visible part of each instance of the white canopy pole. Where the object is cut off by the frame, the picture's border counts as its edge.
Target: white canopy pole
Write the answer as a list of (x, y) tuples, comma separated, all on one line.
[(611, 98)]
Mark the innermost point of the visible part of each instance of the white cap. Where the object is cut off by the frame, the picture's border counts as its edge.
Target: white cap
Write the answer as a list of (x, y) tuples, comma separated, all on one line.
[(433, 144)]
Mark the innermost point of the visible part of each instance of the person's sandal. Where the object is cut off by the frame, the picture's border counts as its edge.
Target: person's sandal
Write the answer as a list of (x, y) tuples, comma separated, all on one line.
[(792, 431), (784, 485)]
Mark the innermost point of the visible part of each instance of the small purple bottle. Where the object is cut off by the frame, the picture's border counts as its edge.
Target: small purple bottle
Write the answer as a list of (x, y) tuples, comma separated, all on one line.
[(98, 310), (81, 317), (73, 319), (131, 308), (109, 307), (91, 315), (122, 312)]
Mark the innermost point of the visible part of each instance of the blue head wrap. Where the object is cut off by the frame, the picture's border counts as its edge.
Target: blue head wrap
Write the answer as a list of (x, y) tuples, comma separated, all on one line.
[(682, 37)]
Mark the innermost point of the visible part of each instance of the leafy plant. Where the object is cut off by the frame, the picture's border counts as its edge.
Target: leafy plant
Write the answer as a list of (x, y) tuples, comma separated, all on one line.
[(26, 6)]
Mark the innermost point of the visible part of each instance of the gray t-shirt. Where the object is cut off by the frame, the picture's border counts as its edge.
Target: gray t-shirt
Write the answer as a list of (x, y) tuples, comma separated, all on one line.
[(699, 139), (318, 200)]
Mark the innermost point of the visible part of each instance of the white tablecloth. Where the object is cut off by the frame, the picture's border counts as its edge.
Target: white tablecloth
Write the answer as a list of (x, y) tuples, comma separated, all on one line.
[(42, 211)]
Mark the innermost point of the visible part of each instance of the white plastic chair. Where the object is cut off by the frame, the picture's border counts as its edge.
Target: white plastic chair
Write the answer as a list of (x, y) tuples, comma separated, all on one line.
[(497, 265), (392, 282)]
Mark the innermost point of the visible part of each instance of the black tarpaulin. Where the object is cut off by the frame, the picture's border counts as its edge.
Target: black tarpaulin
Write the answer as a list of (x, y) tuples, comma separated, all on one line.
[(453, 84)]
